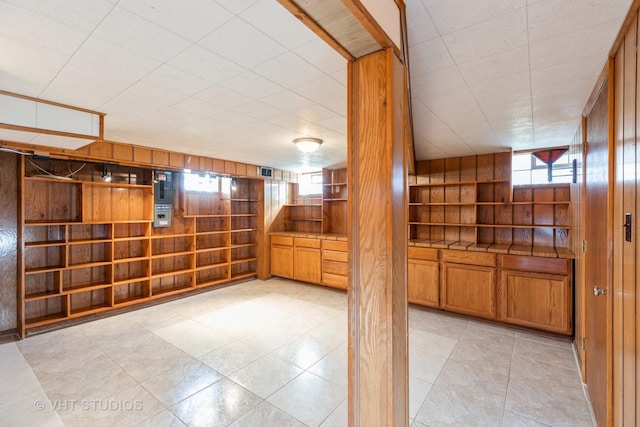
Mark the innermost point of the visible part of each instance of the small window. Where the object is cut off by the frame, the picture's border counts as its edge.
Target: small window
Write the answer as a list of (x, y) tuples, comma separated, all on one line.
[(310, 183), (527, 169), (201, 182)]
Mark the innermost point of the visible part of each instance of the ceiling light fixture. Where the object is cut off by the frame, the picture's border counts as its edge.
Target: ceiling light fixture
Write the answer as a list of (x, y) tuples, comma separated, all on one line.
[(307, 145)]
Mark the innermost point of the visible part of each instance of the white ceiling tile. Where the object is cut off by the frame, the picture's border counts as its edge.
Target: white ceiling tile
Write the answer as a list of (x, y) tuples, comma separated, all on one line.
[(188, 111), (205, 64), (85, 85), (552, 18), (180, 17), (17, 136), (253, 48), (436, 83), (171, 78), (488, 38), (316, 113), (336, 124), (502, 64), (428, 151), (258, 110), (26, 69), (287, 121), (420, 27), (457, 109), (287, 100), (337, 105), (568, 79), (147, 127), (281, 26), (574, 46), (223, 97), (321, 89), (38, 31), (235, 6), (123, 28), (251, 85), (80, 14), (116, 59), (322, 56), (429, 56), (502, 93), (341, 77), (288, 70), (454, 15)]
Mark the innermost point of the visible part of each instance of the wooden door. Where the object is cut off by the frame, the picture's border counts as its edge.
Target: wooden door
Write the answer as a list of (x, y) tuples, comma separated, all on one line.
[(282, 261), (307, 265), (598, 264), (469, 289), (423, 282)]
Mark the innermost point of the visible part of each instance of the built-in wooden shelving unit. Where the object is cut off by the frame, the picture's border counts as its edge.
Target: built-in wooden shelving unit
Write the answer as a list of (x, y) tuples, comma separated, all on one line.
[(89, 246), (324, 213), (468, 203)]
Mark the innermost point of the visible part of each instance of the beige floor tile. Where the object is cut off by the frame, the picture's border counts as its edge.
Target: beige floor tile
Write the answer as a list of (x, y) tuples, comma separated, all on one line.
[(265, 376), (127, 408), (308, 398), (231, 357), (473, 382), (339, 417), (333, 367), (31, 410), (549, 401), (418, 391), (444, 407), (193, 338), (266, 415), (514, 420), (552, 354), (425, 366), (163, 419), (217, 405), (304, 351), (177, 384), (431, 343)]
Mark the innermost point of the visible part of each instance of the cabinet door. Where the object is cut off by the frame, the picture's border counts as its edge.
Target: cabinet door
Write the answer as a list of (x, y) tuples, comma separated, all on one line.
[(282, 261), (469, 289), (423, 282), (541, 301), (308, 265)]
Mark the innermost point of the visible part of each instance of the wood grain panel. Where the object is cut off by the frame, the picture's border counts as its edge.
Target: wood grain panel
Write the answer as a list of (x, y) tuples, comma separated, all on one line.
[(378, 366), (423, 282), (9, 238), (469, 289)]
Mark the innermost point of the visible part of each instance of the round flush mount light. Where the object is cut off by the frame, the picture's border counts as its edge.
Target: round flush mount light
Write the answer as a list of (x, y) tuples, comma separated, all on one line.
[(307, 145)]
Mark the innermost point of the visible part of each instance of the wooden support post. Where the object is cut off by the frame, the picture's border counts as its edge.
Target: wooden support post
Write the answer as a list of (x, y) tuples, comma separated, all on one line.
[(378, 362)]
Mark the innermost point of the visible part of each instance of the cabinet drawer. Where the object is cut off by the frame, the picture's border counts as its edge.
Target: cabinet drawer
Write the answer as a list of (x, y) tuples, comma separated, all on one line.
[(282, 240), (335, 256), (535, 264), (335, 245), (301, 242), (335, 267), (466, 257), (427, 254), (335, 280)]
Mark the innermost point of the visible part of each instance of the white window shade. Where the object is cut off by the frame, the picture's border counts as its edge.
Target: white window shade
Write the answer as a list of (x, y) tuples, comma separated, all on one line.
[(23, 113)]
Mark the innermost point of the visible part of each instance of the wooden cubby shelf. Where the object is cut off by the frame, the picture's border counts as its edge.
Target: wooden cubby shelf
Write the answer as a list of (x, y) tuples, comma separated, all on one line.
[(89, 246)]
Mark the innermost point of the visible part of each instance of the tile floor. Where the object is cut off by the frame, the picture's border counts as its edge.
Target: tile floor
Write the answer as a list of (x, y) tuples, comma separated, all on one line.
[(274, 354)]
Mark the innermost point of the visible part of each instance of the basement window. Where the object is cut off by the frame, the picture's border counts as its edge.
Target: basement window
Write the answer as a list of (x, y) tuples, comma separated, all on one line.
[(527, 169), (310, 183)]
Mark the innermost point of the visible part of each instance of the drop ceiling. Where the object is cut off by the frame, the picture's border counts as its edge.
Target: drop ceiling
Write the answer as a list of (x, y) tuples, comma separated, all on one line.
[(240, 79)]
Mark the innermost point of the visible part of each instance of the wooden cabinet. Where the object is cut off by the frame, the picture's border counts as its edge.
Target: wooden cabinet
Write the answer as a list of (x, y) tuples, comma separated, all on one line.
[(423, 278), (335, 264), (282, 256), (469, 289), (536, 292), (307, 260)]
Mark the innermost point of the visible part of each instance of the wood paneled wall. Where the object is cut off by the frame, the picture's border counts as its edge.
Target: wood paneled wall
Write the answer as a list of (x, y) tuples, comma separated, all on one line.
[(276, 194), (576, 237), (8, 240), (626, 255)]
